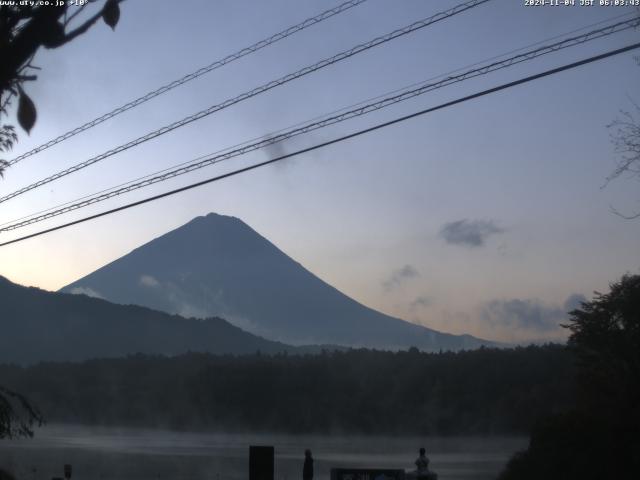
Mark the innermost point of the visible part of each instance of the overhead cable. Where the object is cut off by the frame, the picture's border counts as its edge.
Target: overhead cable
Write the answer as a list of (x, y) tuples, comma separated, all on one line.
[(217, 157), (333, 141), (251, 93), (193, 75)]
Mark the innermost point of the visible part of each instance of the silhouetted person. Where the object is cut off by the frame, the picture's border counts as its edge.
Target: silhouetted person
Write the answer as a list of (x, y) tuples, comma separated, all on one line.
[(307, 469), (422, 467)]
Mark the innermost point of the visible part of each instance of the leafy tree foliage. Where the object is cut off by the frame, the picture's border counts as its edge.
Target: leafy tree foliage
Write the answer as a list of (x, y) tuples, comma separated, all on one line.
[(605, 336), (17, 415), (24, 28), (598, 438)]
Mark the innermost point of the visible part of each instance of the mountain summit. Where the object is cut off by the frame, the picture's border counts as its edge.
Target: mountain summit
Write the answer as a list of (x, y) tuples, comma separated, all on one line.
[(218, 266)]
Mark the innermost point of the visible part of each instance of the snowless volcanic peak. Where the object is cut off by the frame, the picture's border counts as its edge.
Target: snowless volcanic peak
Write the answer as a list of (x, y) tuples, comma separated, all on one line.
[(217, 265)]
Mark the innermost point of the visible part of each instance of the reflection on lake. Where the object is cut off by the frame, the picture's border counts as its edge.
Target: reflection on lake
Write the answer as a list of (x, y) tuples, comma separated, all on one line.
[(132, 454)]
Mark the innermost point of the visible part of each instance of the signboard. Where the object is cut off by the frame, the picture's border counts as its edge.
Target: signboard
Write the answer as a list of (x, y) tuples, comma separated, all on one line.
[(366, 474)]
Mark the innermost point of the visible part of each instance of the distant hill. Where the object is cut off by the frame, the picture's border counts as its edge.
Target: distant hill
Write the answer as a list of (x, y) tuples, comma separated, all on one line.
[(218, 266), (36, 325)]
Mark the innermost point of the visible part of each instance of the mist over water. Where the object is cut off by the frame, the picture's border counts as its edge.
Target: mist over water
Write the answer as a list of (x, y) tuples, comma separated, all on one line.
[(131, 454)]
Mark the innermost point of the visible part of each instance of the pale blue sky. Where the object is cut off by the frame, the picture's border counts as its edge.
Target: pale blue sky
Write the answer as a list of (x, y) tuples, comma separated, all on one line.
[(375, 216)]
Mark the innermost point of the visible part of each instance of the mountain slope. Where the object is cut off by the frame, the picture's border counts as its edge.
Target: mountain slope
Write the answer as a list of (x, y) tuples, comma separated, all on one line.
[(36, 325), (217, 265)]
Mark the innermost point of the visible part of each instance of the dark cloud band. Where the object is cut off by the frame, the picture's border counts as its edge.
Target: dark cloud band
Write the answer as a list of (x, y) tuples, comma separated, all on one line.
[(469, 233)]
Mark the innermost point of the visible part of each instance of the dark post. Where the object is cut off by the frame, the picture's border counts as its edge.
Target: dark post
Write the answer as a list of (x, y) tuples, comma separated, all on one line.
[(260, 463), (67, 471)]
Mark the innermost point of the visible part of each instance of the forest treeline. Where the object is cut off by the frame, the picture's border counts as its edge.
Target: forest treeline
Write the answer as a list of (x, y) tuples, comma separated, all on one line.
[(484, 391)]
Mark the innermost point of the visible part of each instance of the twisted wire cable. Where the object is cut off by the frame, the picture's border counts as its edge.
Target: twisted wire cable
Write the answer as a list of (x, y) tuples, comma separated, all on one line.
[(251, 93), (333, 141), (217, 157), (193, 75), (362, 102)]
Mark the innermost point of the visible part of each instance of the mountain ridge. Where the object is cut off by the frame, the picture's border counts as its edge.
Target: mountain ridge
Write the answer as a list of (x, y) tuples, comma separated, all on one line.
[(217, 265), (38, 325)]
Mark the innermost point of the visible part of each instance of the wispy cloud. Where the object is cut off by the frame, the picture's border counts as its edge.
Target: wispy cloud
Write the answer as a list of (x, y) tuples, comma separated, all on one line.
[(149, 281), (469, 233), (90, 292), (530, 315), (280, 149), (275, 150), (400, 276), (423, 301), (574, 301)]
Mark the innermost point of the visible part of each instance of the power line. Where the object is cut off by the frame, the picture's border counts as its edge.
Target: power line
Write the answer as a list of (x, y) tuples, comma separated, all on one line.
[(256, 91), (510, 52), (193, 75), (241, 149), (335, 140), (343, 109)]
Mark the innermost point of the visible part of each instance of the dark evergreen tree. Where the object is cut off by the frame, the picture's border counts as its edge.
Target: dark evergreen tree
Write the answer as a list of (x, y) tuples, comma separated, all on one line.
[(598, 438)]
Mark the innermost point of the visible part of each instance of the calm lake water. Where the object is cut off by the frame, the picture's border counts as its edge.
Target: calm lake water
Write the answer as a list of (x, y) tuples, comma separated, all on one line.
[(140, 454)]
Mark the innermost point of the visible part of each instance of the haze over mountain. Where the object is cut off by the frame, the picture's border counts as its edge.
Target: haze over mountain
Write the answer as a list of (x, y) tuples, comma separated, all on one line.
[(218, 266), (36, 325)]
